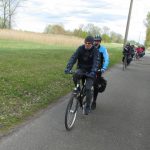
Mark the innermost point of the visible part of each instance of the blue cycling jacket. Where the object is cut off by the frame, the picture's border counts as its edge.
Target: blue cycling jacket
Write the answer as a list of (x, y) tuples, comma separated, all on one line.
[(104, 53)]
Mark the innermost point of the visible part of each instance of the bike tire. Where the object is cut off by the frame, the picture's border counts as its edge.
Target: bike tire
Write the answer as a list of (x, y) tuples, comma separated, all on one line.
[(71, 112), (124, 63)]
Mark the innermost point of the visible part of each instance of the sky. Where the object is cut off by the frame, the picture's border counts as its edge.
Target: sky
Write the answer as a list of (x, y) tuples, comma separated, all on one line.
[(35, 15)]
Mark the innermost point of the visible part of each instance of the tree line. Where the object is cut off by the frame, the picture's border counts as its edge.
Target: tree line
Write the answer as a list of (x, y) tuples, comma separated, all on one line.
[(84, 30), (8, 10)]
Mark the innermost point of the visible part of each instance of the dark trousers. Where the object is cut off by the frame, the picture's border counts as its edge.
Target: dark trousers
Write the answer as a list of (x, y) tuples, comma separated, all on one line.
[(96, 82), (88, 86)]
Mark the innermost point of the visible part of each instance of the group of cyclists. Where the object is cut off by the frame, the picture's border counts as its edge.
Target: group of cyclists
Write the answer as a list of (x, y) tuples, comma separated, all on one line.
[(130, 51), (140, 50), (92, 59)]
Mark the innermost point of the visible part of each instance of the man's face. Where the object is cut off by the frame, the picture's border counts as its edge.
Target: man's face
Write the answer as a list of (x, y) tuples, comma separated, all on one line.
[(96, 43), (88, 45)]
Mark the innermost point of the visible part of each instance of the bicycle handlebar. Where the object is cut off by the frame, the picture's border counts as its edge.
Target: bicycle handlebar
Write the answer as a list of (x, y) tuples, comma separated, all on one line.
[(82, 74), (71, 72)]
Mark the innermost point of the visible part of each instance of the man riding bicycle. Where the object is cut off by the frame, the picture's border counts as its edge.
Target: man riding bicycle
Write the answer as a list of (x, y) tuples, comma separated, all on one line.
[(87, 58)]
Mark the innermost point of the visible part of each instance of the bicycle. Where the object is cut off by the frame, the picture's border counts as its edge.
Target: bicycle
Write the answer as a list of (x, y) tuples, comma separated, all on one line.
[(76, 101), (125, 62)]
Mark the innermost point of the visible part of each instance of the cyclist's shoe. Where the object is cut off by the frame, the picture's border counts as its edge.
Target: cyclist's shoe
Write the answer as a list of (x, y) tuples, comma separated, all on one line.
[(93, 106), (86, 110)]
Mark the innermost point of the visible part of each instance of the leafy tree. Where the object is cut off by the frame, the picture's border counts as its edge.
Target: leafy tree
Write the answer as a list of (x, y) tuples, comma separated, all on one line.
[(147, 41), (106, 38), (132, 42), (83, 31), (55, 29), (147, 24), (80, 32), (116, 38)]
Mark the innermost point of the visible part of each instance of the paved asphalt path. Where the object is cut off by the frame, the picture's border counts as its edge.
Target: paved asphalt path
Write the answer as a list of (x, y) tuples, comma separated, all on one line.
[(120, 122)]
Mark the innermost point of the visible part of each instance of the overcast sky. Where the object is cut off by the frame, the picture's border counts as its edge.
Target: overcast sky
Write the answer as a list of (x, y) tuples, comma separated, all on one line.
[(35, 15)]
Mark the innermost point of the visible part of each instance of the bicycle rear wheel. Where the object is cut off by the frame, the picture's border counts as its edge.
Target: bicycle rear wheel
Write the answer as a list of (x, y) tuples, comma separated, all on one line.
[(125, 63), (71, 112)]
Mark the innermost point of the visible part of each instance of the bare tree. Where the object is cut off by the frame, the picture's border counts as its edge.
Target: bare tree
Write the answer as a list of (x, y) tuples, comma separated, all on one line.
[(3, 9), (8, 9)]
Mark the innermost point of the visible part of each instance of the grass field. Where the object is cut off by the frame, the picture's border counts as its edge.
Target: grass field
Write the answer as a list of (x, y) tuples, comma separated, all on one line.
[(32, 76)]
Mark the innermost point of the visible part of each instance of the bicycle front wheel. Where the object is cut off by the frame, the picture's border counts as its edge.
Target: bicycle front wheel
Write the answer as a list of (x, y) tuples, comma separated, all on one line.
[(71, 112)]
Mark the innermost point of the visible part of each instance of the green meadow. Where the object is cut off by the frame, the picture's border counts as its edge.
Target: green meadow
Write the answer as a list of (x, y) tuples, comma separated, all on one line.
[(32, 77)]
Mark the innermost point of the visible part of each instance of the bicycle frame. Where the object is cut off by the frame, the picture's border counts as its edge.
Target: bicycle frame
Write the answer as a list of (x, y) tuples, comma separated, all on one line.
[(76, 100), (81, 94)]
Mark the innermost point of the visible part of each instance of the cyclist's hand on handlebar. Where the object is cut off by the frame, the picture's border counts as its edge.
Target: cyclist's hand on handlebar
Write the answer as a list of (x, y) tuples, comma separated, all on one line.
[(67, 71), (103, 70), (99, 70), (91, 74)]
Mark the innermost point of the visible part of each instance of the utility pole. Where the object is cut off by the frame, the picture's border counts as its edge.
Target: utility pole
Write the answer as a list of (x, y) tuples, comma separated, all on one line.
[(128, 22)]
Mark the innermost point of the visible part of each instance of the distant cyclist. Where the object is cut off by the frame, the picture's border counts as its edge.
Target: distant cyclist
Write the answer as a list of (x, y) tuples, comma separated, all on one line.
[(127, 51), (140, 51), (100, 82), (87, 58)]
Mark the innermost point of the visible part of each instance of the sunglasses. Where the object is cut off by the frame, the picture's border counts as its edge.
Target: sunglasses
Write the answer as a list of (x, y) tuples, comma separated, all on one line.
[(88, 43)]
